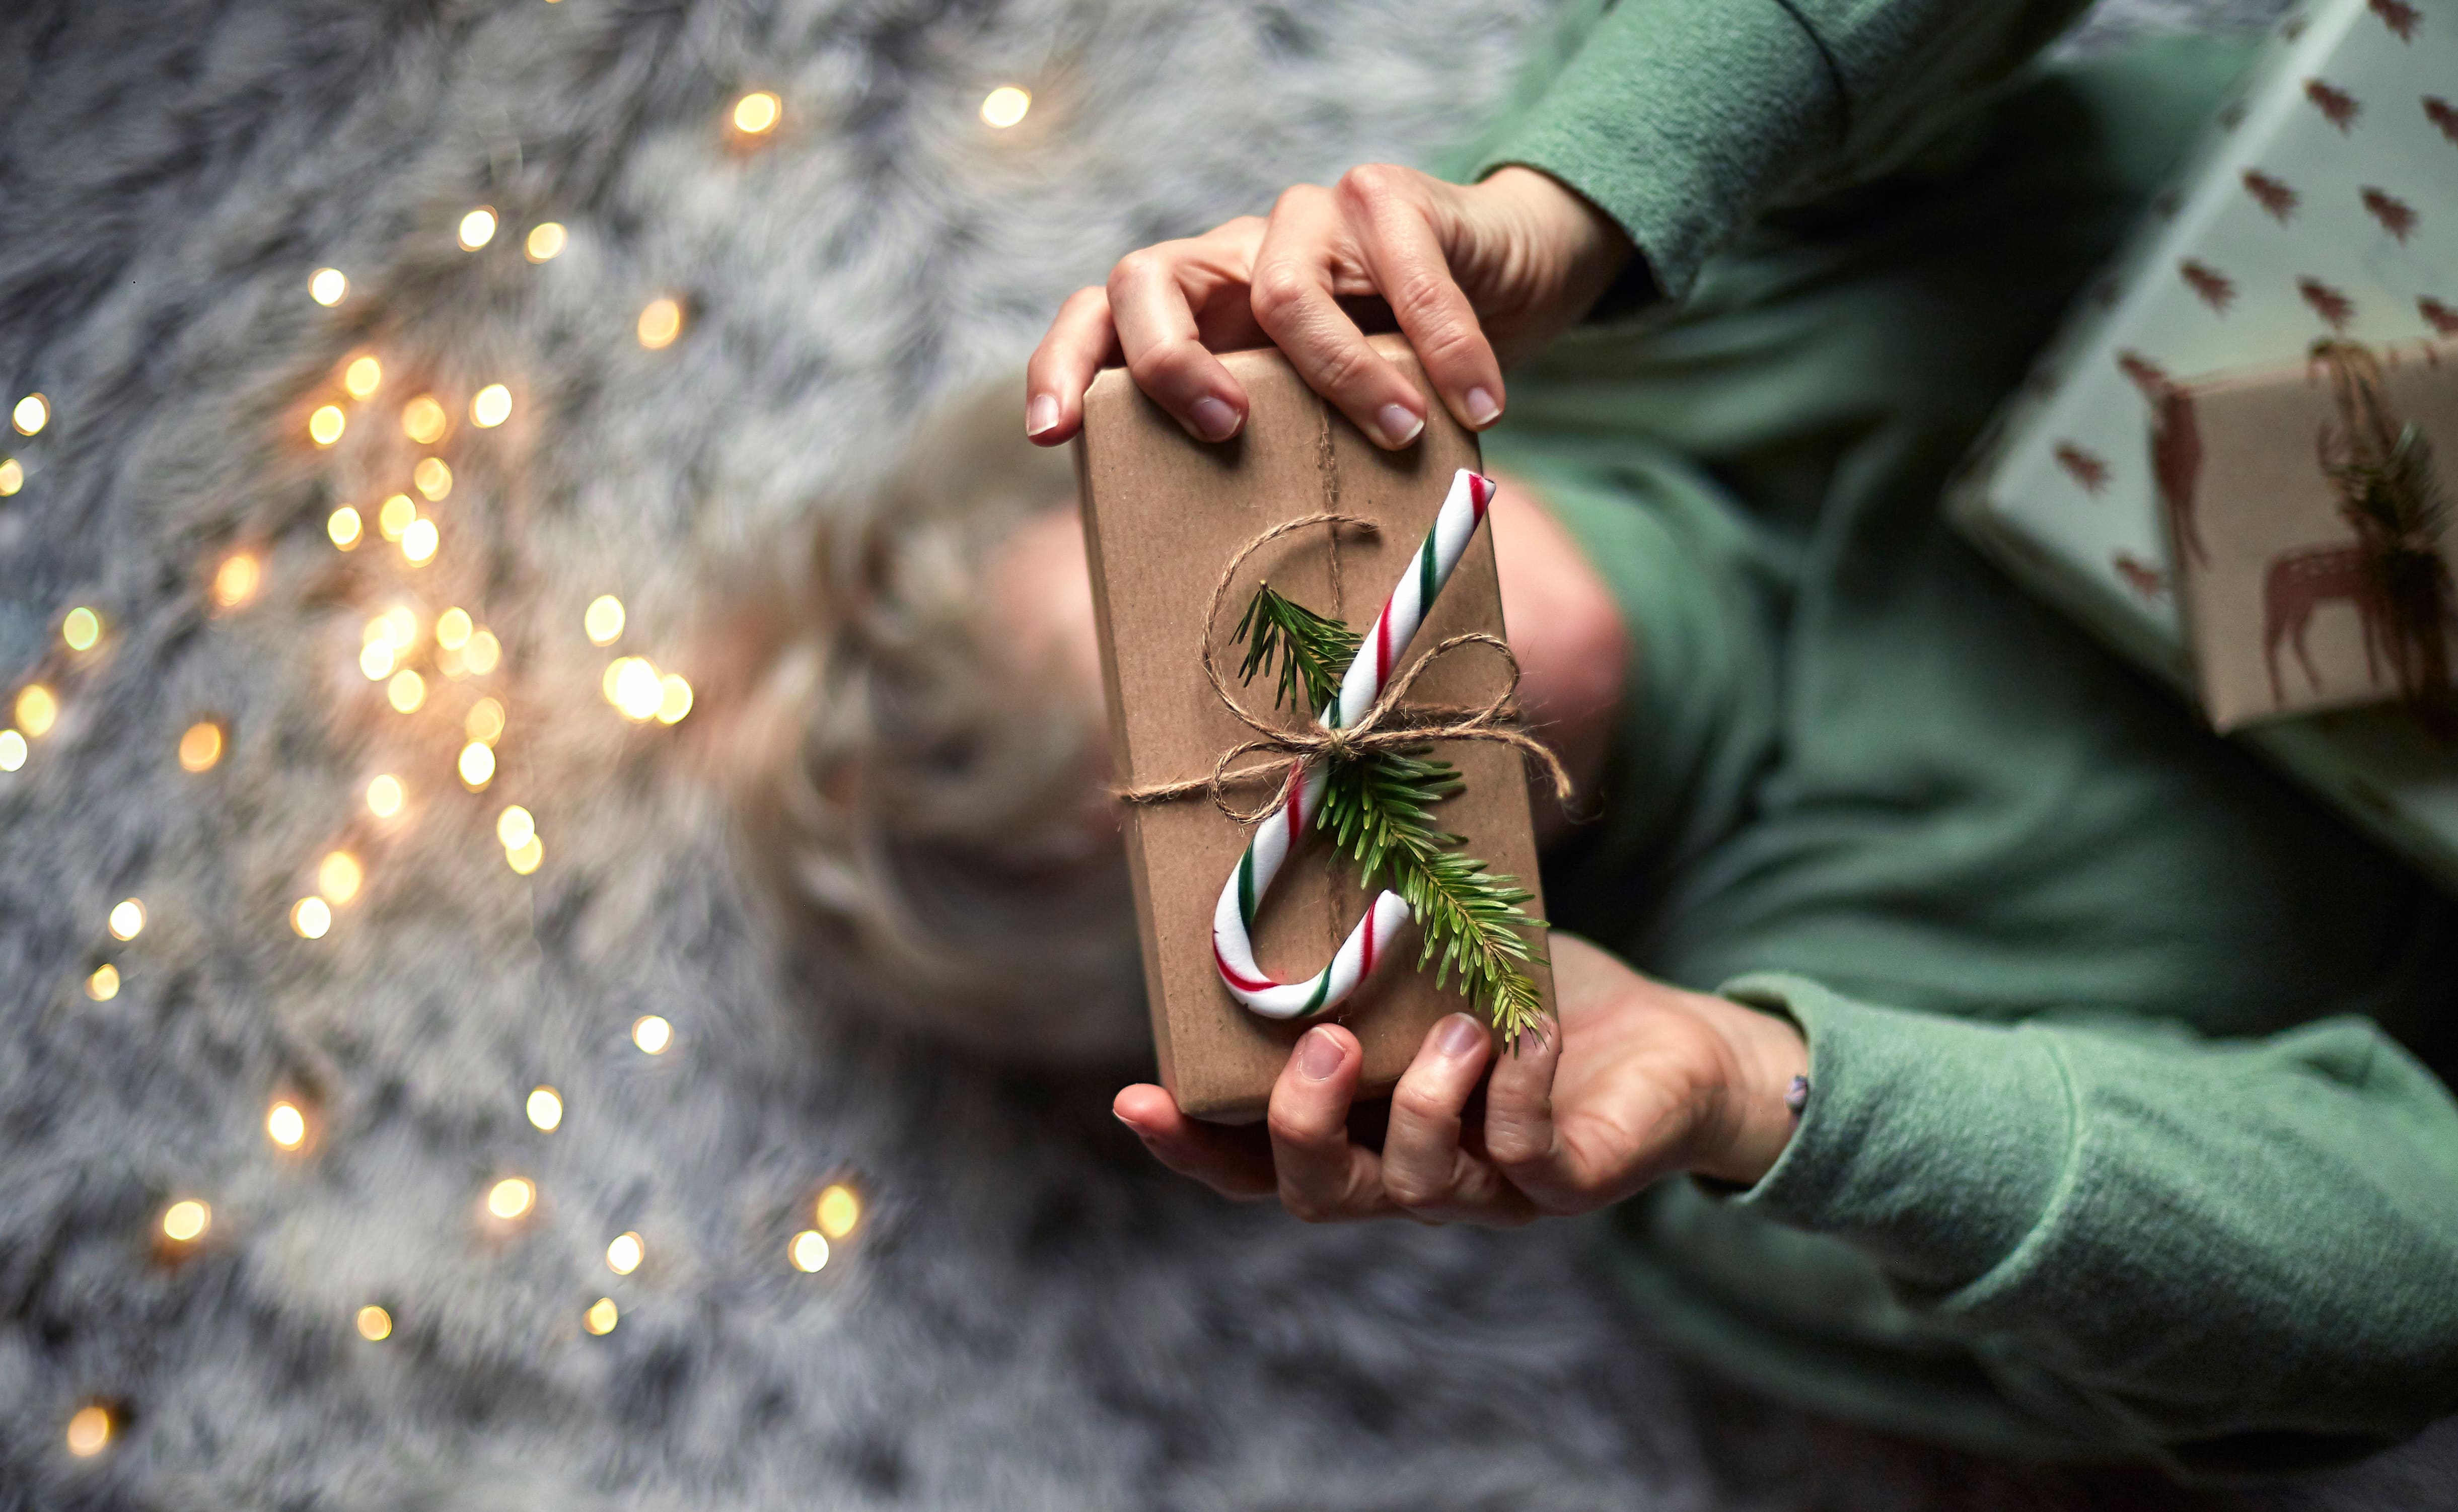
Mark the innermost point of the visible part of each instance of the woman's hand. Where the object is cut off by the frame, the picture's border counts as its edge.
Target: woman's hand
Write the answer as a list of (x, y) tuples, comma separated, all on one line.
[(1506, 263), (1640, 1079)]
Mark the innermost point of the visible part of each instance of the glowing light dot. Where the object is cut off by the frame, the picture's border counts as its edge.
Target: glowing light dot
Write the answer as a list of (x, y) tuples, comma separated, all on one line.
[(237, 579), (325, 426), (546, 238), (375, 659), (89, 1431), (477, 228), (185, 1221), (624, 1254), (375, 1324), (546, 1109), (483, 652), (201, 746), (384, 797), (285, 1125), (339, 876), (511, 1197), (1004, 106), (490, 406), (514, 826), (674, 699), (652, 1034), (81, 629), (13, 750), (362, 377), (329, 287), (127, 919), (638, 690), (397, 625), (476, 765), (756, 112), (661, 323), (396, 515), (13, 476), (840, 1209), (345, 526), (36, 710), (407, 690), (808, 1251), (485, 723), (423, 420), (433, 478), (32, 414), (104, 985), (311, 918), (603, 620), (418, 542), (601, 1317), (453, 629), (526, 857)]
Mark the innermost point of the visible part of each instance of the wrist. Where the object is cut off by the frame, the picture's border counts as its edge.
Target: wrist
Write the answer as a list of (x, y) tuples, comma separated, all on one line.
[(1752, 1115), (1588, 248)]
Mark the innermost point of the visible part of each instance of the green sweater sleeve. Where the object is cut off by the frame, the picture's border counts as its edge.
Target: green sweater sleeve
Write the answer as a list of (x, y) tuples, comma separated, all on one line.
[(2219, 1242), (1684, 119)]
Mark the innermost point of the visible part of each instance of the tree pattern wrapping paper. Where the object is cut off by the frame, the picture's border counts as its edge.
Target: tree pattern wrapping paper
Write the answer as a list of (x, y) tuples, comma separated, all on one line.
[(2322, 202)]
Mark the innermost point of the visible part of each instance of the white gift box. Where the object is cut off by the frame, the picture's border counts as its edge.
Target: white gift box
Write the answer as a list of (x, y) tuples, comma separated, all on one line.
[(2323, 201)]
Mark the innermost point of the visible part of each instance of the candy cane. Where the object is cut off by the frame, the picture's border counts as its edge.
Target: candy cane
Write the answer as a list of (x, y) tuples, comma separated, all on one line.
[(1233, 919)]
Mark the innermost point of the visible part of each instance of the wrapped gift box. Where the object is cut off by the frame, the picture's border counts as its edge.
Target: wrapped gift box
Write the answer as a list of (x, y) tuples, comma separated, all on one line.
[(2323, 202)]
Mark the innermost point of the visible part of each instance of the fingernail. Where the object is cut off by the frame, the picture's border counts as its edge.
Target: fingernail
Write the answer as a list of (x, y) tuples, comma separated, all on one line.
[(1124, 1119), (1482, 410), (1399, 428), (1214, 421), (1459, 1035), (1041, 414), (1319, 1055)]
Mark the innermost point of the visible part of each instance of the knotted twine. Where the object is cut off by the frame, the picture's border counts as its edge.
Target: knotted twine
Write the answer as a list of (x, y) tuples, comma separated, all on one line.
[(1342, 731)]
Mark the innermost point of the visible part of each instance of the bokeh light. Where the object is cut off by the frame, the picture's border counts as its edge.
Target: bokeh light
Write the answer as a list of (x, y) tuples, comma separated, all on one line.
[(476, 765), (808, 1251), (236, 580), (603, 620), (127, 919), (80, 629), (511, 1197), (395, 515), (88, 1430), (424, 420), (311, 918), (490, 406), (624, 1254), (285, 1125), (103, 984), (660, 321), (651, 1033), (839, 1211), (339, 876), (362, 377), (325, 426), (345, 526), (329, 287), (544, 1108), (545, 240), (1005, 106), (514, 826), (407, 691), (757, 113), (418, 542), (201, 746), (13, 750), (477, 228), (375, 1324), (483, 652), (526, 857), (433, 478), (13, 476), (484, 721), (37, 710), (601, 1317), (386, 796), (185, 1221)]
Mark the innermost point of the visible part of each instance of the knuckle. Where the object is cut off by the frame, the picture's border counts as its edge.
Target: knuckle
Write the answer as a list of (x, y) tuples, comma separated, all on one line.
[(1139, 266), (1345, 368), (1370, 184), (1411, 1191), (1287, 1130), (1090, 295), (1421, 1104), (1279, 288)]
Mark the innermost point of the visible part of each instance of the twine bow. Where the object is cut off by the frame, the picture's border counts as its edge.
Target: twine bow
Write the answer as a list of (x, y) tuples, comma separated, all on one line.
[(1387, 724)]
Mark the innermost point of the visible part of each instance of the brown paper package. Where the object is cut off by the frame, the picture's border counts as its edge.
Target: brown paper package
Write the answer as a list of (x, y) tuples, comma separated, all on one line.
[(2276, 601), (1163, 514)]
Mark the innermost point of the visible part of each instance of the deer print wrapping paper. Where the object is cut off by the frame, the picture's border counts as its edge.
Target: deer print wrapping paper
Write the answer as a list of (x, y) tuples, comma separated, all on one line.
[(2288, 605), (2322, 202)]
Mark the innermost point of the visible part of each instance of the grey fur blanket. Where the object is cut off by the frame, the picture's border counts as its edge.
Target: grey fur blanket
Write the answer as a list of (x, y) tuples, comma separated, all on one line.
[(1027, 1315)]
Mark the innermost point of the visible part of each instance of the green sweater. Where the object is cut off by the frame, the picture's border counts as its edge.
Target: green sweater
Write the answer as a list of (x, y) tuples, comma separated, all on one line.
[(2122, 1139)]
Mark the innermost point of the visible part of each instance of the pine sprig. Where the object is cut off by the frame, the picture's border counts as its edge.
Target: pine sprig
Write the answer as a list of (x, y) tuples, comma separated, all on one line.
[(1309, 653), (1377, 809)]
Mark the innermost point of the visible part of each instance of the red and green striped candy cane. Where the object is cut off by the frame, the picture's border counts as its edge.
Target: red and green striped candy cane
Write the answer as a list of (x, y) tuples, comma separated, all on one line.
[(1233, 919)]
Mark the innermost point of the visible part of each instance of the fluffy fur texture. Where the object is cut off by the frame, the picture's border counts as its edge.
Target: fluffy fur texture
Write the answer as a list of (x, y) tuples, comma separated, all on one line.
[(1030, 1316)]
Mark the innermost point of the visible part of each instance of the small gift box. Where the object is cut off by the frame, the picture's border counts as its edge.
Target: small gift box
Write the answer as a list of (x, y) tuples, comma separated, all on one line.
[(1374, 560), (2309, 506), (2323, 203)]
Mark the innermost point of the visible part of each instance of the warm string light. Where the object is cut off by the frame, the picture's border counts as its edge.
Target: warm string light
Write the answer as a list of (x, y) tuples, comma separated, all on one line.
[(432, 478), (476, 765), (660, 321), (634, 685), (808, 1250), (1005, 106), (424, 420), (285, 1125), (88, 1430), (339, 876), (13, 477), (375, 1324), (37, 708), (386, 796), (405, 691), (363, 377), (757, 113), (838, 1211), (601, 1317), (513, 827), (201, 746), (103, 984), (624, 1254), (526, 857), (127, 919), (603, 620), (185, 1221), (419, 542), (396, 515), (490, 406), (510, 1199), (545, 241), (484, 721), (477, 228), (652, 1034), (325, 426), (483, 652), (311, 918), (80, 629), (545, 1108), (30, 414), (329, 287), (345, 526), (237, 579), (13, 750)]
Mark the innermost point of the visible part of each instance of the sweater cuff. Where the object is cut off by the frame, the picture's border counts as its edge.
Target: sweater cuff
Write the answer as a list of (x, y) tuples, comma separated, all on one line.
[(1679, 118), (1933, 1143)]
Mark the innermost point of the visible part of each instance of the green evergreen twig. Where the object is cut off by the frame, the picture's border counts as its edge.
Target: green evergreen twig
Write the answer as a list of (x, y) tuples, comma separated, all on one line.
[(1309, 651)]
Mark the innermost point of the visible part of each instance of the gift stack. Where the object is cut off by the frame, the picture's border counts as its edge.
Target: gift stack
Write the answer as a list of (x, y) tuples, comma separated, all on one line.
[(2234, 462)]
